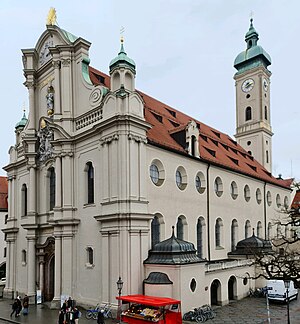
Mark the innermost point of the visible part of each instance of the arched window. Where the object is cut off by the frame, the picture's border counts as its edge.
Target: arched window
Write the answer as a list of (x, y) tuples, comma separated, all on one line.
[(247, 229), (90, 183), (259, 230), (24, 257), (200, 234), (248, 113), (234, 232), (52, 188), (24, 200), (179, 228), (267, 156), (269, 234), (155, 231), (90, 255), (218, 232), (266, 113)]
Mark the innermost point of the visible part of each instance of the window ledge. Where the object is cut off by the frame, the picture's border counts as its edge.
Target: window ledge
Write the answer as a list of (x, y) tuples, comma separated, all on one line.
[(89, 266), (89, 205), (219, 248)]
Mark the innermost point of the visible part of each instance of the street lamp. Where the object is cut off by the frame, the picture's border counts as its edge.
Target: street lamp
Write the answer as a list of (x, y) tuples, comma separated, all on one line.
[(287, 286), (119, 286)]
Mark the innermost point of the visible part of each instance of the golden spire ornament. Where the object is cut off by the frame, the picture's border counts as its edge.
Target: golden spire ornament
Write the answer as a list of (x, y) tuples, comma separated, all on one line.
[(51, 18)]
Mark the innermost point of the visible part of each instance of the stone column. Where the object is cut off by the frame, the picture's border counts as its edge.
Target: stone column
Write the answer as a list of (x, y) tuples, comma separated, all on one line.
[(10, 197), (67, 264), (67, 184), (57, 106), (31, 289), (57, 272), (41, 270), (32, 192), (8, 266), (58, 182), (31, 117)]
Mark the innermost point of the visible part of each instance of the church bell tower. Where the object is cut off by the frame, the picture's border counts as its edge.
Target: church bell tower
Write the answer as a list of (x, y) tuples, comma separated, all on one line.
[(252, 81)]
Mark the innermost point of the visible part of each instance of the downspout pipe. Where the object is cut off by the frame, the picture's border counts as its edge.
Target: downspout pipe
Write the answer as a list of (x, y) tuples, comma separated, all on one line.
[(265, 210), (208, 211)]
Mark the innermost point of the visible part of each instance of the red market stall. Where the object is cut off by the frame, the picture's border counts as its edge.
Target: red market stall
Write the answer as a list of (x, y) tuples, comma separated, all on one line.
[(141, 309)]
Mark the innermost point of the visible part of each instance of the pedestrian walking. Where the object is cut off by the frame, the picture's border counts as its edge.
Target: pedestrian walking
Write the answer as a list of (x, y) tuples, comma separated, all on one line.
[(25, 305), (77, 315), (19, 308), (14, 308), (100, 318), (70, 302), (61, 317)]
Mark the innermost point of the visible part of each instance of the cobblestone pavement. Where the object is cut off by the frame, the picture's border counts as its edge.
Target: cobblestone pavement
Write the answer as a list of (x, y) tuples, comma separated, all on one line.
[(248, 310), (254, 310)]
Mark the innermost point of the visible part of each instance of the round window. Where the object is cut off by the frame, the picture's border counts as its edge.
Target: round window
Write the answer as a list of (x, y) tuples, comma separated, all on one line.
[(247, 193), (258, 196), (154, 173), (181, 178), (193, 285), (200, 182), (218, 187), (157, 172), (269, 198), (233, 190), (178, 179)]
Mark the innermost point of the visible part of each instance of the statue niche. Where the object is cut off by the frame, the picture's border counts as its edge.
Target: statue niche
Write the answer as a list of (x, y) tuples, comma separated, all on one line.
[(50, 101)]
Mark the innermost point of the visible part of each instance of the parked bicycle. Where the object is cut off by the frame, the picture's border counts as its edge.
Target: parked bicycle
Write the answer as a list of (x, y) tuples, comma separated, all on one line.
[(93, 312), (200, 314), (258, 292)]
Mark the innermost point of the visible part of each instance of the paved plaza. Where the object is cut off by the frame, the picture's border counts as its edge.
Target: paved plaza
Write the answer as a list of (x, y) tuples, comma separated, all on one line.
[(248, 310)]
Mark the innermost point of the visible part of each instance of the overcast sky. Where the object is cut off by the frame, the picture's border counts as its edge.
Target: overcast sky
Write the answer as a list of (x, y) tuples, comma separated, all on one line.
[(184, 52)]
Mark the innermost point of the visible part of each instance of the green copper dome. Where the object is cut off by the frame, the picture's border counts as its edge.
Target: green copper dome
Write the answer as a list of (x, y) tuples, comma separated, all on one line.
[(254, 55), (122, 60), (22, 122)]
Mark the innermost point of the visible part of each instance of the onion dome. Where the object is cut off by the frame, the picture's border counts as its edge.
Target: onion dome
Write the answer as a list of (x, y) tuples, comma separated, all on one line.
[(254, 55), (122, 60), (173, 251), (22, 123), (252, 245)]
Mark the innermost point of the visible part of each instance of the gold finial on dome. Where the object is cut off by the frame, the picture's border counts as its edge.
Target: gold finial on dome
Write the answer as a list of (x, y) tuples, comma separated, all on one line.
[(122, 29), (51, 18)]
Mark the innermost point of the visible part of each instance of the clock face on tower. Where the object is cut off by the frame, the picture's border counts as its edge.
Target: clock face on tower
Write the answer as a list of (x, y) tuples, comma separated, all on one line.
[(265, 84), (248, 85), (45, 55)]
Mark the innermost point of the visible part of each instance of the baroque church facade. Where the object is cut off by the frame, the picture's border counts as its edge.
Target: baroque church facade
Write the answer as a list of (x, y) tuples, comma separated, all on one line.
[(101, 172)]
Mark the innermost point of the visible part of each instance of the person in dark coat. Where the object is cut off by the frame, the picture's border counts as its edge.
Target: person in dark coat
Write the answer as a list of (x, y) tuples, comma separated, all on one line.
[(100, 318), (18, 311), (61, 317), (25, 305), (14, 308)]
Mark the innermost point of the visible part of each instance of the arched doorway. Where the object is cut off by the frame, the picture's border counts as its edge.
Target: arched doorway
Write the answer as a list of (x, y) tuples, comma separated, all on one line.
[(232, 288), (215, 292), (46, 254), (2, 270)]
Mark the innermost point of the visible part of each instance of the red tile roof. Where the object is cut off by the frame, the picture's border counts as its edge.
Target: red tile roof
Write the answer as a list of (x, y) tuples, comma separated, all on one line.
[(296, 200), (3, 193), (214, 146)]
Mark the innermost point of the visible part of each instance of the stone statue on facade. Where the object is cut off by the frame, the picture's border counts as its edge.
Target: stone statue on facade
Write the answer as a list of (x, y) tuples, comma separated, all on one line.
[(45, 135), (50, 101)]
